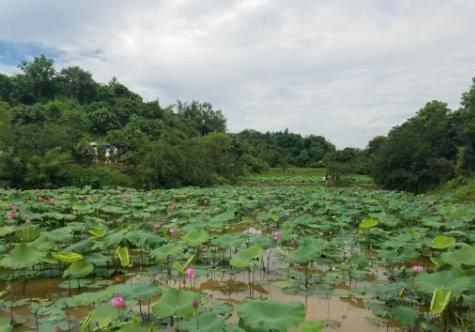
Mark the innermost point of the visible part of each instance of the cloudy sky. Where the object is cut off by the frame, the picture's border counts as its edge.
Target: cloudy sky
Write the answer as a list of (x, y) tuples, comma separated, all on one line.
[(348, 70)]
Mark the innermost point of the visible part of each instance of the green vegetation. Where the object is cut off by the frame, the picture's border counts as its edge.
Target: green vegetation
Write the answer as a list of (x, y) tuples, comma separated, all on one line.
[(190, 259)]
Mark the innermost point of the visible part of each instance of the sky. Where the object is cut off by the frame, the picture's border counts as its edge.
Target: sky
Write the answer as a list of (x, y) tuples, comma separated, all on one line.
[(348, 70)]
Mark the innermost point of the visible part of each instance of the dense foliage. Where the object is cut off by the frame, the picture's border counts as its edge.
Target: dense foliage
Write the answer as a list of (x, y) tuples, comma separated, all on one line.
[(252, 258), (48, 119), (432, 147)]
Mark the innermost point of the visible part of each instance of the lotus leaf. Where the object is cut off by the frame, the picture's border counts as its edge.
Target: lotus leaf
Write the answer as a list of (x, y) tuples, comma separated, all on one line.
[(462, 256), (440, 300), (264, 316), (67, 257), (23, 256), (245, 257), (162, 253), (443, 242), (79, 269), (207, 322), (175, 302), (312, 326), (454, 280), (195, 237)]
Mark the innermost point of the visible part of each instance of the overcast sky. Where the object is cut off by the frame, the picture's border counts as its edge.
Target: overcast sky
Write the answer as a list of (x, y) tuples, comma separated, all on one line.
[(347, 70)]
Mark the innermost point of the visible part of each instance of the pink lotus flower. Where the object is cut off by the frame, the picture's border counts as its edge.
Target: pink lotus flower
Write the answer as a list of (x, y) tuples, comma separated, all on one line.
[(157, 227), (195, 303), (276, 235), (417, 268), (172, 231), (190, 272), (11, 215), (118, 302)]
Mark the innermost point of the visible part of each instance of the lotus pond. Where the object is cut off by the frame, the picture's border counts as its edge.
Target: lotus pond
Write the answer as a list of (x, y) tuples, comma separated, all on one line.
[(249, 258)]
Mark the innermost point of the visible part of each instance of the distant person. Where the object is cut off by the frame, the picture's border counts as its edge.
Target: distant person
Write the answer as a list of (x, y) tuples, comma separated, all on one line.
[(96, 154), (108, 156), (115, 154)]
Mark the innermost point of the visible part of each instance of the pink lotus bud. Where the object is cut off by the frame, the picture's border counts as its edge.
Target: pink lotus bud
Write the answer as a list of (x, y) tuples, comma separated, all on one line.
[(417, 268), (190, 272), (118, 302), (13, 207), (172, 231), (276, 235), (51, 200), (195, 303), (27, 222), (157, 227)]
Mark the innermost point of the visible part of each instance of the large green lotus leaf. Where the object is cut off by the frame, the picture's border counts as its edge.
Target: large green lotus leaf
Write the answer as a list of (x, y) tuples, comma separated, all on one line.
[(308, 251), (244, 257), (142, 292), (312, 326), (454, 280), (63, 234), (101, 317), (81, 247), (223, 217), (109, 209), (440, 300), (462, 256), (175, 302), (207, 322), (145, 240), (6, 230), (264, 316), (23, 256), (168, 250), (28, 234), (195, 237), (404, 315), (98, 259), (368, 223), (133, 327), (229, 240), (79, 269), (443, 242), (67, 257)]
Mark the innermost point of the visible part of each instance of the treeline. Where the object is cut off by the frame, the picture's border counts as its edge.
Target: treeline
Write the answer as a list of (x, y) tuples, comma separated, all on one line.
[(48, 118), (435, 145)]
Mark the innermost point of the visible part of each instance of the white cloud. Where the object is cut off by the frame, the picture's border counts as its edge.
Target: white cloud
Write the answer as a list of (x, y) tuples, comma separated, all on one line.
[(348, 70)]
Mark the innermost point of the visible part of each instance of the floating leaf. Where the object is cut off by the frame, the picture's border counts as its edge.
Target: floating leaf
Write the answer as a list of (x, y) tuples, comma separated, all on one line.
[(162, 253), (264, 316)]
